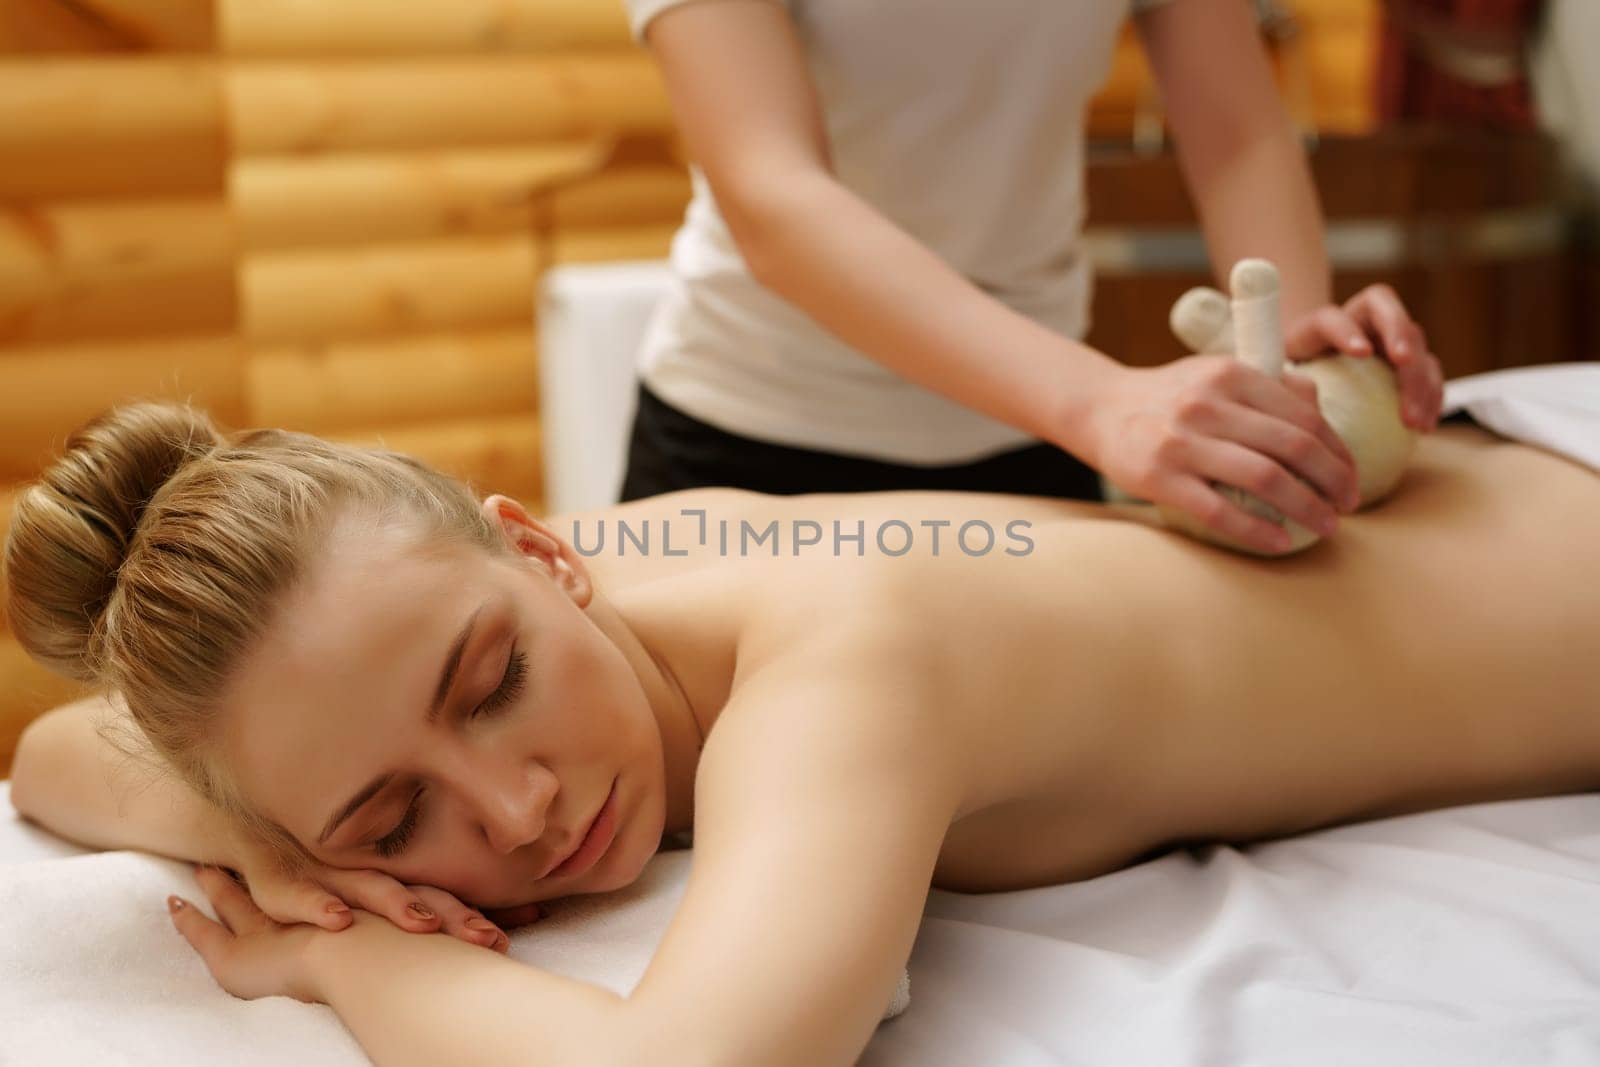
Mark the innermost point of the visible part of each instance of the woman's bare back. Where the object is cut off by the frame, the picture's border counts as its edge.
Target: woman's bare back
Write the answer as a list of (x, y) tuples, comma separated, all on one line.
[(1116, 688)]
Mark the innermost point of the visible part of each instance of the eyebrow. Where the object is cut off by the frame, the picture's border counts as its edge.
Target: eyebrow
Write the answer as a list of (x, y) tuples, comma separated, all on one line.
[(447, 677)]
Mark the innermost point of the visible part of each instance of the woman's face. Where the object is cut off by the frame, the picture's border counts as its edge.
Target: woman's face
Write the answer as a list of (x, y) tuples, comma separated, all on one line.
[(450, 717)]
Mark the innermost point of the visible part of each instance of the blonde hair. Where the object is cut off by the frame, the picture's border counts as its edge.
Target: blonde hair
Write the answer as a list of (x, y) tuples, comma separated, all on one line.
[(150, 555)]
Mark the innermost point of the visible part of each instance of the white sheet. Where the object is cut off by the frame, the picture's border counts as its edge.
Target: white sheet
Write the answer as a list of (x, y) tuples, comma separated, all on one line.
[(1465, 937), (1554, 406)]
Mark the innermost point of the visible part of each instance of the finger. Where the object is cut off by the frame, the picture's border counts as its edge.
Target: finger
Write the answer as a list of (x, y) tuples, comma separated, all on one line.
[(1325, 460), (380, 894), (1287, 466), (1327, 328), (515, 916), (1223, 517), (1244, 468), (289, 899), (232, 904), (1304, 387), (1416, 372), (205, 935), (1436, 371), (1379, 310), (1406, 349), (1417, 393), (458, 920)]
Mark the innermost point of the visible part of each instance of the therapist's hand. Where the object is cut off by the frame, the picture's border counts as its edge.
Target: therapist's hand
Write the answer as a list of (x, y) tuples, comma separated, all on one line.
[(1166, 433), (323, 896), (1375, 322)]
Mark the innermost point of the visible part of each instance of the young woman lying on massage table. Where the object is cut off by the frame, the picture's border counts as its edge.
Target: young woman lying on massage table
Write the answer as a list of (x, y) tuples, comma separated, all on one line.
[(371, 668)]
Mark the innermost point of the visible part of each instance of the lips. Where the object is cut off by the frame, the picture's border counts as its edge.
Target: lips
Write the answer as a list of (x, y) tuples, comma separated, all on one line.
[(597, 837)]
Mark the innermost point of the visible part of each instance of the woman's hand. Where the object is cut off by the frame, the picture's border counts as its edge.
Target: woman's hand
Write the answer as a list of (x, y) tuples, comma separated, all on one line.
[(1166, 433), (323, 896), (251, 954), (1375, 315)]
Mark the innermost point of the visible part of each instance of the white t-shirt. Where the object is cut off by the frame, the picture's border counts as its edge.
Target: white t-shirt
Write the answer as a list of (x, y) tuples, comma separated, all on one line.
[(963, 123)]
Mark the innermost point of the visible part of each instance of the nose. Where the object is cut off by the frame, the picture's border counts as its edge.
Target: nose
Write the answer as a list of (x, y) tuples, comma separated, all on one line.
[(513, 804)]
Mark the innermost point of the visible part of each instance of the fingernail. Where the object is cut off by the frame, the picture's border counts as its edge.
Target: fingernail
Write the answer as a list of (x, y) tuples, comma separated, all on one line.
[(336, 907), (478, 923), (421, 911), (176, 904), (1328, 526), (1359, 342)]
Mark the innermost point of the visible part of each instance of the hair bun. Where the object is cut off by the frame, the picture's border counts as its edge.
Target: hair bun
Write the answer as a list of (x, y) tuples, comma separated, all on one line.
[(72, 529)]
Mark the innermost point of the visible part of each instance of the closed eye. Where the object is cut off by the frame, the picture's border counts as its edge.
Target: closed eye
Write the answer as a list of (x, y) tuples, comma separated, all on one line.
[(510, 687)]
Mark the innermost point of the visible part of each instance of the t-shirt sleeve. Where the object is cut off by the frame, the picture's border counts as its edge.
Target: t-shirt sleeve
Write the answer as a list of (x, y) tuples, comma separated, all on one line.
[(641, 12)]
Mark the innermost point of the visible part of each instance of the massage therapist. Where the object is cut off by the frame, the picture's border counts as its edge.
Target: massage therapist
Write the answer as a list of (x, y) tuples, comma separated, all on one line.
[(879, 282)]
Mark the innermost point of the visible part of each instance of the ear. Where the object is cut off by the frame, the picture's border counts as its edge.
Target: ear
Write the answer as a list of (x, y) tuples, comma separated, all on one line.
[(537, 542)]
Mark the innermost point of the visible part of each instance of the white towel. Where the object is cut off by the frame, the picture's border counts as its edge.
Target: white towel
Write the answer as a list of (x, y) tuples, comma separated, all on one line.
[(1555, 406)]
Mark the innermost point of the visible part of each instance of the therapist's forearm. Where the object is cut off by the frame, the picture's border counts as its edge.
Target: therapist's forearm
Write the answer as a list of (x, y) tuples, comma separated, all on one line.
[(831, 254), (419, 1000), (1257, 198)]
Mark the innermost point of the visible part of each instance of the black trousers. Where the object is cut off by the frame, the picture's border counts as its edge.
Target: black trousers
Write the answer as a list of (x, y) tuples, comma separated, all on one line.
[(669, 450)]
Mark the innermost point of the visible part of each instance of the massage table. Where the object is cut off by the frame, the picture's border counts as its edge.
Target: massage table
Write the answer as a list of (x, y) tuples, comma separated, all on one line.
[(1467, 937)]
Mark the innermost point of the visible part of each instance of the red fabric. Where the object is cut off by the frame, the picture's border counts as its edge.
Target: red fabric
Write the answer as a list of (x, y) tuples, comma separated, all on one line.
[(1411, 87)]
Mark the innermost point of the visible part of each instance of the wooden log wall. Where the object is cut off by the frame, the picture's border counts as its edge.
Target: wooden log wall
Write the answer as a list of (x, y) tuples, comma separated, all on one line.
[(331, 216), (325, 217)]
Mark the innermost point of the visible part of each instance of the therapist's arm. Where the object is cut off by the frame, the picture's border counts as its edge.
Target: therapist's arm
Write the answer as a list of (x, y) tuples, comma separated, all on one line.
[(745, 103), (1248, 173), (1237, 148), (736, 74)]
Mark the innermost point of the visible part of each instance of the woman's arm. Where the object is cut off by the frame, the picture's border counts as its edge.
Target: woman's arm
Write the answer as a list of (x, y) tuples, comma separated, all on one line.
[(735, 71), (822, 799), (70, 779)]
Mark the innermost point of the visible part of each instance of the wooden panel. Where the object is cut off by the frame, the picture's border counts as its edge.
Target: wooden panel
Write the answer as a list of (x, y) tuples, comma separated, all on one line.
[(499, 455), (42, 27), (74, 127), (47, 392), (306, 297), (199, 301), (611, 243), (36, 27), (303, 297), (27, 690), (356, 199), (8, 500), (329, 387), (622, 196), (296, 108), (53, 251), (357, 27), (165, 25)]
